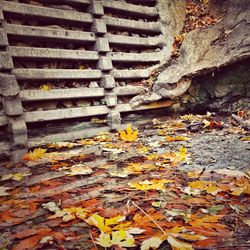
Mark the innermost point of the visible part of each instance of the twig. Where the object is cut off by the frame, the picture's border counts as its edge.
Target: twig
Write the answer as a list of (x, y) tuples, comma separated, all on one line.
[(149, 218), (91, 236)]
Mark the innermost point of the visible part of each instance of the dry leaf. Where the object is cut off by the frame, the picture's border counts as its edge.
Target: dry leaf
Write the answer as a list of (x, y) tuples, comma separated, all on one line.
[(178, 245), (35, 155), (150, 185), (151, 243), (120, 238), (16, 176), (78, 169), (45, 87), (128, 135)]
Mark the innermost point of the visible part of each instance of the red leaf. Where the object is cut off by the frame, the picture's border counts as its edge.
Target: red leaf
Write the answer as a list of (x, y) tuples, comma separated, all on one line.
[(28, 243), (30, 232)]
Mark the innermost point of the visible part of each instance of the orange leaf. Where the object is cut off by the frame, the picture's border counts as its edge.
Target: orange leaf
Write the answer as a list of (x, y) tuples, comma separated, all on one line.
[(30, 232), (28, 244)]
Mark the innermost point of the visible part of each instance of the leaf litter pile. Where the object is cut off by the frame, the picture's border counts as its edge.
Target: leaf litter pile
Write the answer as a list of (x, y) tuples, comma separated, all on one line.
[(128, 190)]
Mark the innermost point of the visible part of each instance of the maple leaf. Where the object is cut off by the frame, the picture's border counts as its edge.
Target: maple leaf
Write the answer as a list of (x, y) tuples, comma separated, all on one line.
[(120, 238), (151, 243), (128, 135), (104, 224), (150, 185), (45, 87), (37, 154)]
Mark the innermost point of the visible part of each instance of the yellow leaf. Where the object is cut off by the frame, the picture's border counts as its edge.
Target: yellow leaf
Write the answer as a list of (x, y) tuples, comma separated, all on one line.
[(16, 177), (151, 243), (120, 238), (104, 224), (178, 245), (206, 123), (35, 155), (245, 138), (150, 185), (129, 134), (176, 138), (45, 87), (208, 186)]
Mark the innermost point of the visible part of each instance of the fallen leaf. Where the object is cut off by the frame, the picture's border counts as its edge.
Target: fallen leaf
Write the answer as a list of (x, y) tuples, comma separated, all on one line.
[(120, 238), (151, 243), (176, 138), (16, 176), (45, 87), (105, 225), (78, 169), (35, 155), (178, 245), (128, 135), (150, 185)]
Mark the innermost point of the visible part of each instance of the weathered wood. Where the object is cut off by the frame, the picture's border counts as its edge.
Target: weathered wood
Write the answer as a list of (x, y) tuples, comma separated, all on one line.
[(130, 74), (59, 114), (61, 35), (135, 41), (136, 57), (120, 23), (131, 9), (42, 74), (44, 12), (55, 94), (45, 53)]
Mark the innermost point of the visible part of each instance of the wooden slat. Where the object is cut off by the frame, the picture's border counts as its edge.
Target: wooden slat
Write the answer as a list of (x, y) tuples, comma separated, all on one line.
[(129, 90), (44, 12), (73, 2), (55, 94), (130, 74), (59, 114), (42, 33), (120, 23), (47, 74), (135, 41), (132, 9), (45, 53), (135, 57)]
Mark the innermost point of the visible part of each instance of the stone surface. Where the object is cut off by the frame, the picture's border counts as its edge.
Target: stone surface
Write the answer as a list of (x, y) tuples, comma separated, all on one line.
[(96, 8), (99, 26), (114, 119), (12, 106), (105, 63), (108, 82), (18, 130), (102, 45), (3, 38), (8, 85), (6, 61), (18, 154), (111, 99)]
